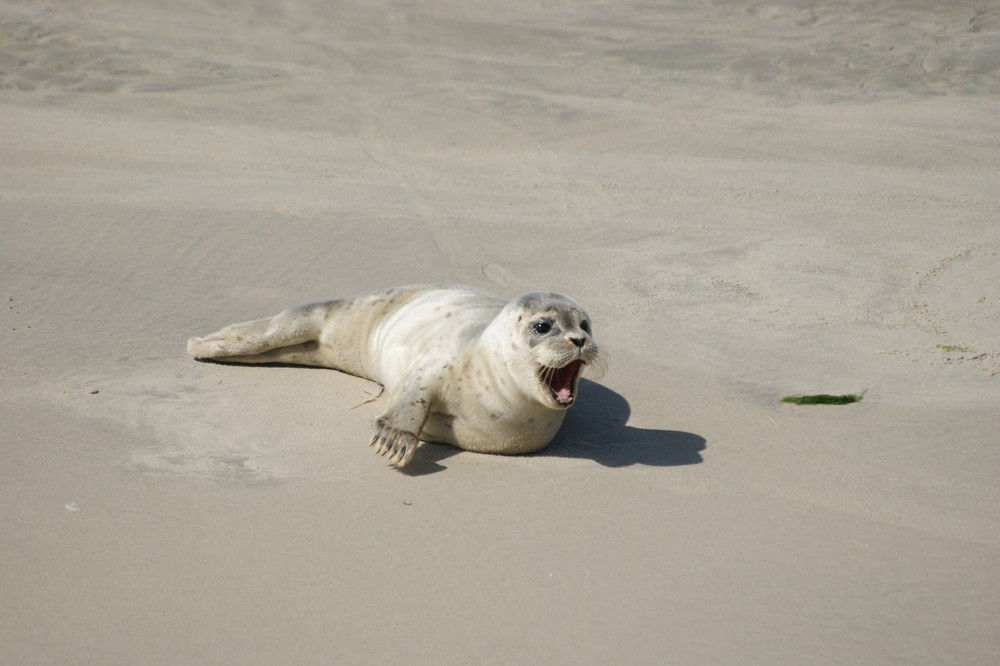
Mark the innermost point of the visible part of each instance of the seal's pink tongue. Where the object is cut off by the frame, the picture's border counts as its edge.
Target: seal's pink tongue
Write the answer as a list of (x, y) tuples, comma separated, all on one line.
[(561, 381)]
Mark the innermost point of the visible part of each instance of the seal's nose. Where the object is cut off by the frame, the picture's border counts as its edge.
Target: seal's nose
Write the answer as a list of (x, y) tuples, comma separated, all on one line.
[(576, 341)]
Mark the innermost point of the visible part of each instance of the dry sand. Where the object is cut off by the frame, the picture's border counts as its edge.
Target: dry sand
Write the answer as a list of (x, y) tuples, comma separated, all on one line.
[(751, 198)]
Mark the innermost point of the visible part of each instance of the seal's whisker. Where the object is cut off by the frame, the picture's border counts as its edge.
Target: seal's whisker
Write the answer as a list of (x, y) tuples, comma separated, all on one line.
[(597, 366)]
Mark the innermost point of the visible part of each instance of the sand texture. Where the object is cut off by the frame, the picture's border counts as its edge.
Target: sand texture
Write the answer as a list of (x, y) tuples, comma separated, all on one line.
[(752, 200)]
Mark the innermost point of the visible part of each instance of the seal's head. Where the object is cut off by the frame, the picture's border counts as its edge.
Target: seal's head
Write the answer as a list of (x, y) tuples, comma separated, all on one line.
[(552, 344)]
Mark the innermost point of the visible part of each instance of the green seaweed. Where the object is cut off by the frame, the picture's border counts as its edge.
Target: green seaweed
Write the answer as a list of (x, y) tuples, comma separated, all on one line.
[(824, 399), (953, 348)]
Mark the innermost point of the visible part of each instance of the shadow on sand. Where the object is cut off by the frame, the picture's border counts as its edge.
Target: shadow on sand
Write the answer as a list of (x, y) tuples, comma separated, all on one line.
[(594, 429)]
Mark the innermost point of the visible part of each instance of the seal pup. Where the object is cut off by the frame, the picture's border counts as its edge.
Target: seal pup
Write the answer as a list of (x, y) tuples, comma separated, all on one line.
[(460, 366)]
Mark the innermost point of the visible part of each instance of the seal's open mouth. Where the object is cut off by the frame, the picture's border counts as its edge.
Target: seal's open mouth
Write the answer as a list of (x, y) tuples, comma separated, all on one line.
[(561, 381)]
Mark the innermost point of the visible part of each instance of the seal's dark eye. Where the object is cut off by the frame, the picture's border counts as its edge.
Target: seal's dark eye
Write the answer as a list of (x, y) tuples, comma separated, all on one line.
[(585, 325), (541, 327)]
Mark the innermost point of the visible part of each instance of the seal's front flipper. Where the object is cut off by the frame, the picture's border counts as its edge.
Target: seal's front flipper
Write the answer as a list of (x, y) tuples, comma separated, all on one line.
[(397, 446), (397, 430)]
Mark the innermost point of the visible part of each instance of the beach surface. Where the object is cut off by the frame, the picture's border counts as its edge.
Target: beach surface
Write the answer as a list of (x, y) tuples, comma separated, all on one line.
[(751, 199)]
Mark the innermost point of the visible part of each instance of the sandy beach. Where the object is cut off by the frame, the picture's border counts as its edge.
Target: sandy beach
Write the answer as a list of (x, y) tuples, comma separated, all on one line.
[(752, 200)]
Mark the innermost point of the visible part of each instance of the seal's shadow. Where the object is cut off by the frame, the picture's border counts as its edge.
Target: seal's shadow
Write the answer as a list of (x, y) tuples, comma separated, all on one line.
[(595, 429)]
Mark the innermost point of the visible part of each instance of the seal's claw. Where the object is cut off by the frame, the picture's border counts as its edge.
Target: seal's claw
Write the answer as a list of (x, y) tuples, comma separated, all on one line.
[(396, 446), (405, 453)]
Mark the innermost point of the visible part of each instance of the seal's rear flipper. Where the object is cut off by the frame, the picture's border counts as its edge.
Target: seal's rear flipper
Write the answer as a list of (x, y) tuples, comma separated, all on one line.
[(289, 337)]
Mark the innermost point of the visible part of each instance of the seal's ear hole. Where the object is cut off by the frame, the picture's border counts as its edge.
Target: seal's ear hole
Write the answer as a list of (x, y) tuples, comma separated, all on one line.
[(541, 327), (585, 325)]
